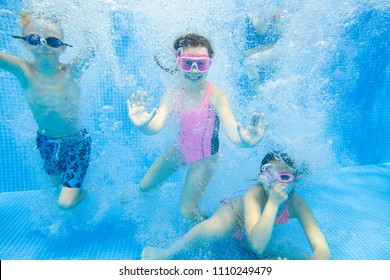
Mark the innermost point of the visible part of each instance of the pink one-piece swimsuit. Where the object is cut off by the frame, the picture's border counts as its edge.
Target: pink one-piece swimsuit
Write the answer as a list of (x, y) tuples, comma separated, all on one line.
[(199, 128)]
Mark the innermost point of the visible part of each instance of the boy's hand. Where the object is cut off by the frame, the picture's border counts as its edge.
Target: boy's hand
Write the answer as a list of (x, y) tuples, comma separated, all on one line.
[(137, 110), (255, 131)]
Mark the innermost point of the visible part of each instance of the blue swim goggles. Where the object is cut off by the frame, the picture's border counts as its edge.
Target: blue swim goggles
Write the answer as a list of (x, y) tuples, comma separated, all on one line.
[(34, 40)]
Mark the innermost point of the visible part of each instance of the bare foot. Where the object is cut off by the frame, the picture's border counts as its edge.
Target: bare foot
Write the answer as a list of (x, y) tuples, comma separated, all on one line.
[(154, 253), (70, 197)]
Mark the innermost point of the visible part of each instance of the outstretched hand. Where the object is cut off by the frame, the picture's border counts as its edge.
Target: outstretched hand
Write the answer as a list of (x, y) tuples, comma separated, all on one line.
[(254, 133), (137, 110)]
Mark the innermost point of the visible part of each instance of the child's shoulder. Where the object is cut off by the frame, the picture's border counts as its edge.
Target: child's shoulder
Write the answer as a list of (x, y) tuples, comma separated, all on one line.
[(14, 60), (214, 90), (254, 190), (217, 96), (255, 195)]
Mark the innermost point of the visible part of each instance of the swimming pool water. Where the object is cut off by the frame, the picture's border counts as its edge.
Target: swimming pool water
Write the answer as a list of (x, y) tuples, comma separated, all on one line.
[(355, 222), (350, 197)]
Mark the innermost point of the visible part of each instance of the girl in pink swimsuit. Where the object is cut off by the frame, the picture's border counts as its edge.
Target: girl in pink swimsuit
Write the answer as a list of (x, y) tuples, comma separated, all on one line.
[(201, 108), (252, 216), (199, 129)]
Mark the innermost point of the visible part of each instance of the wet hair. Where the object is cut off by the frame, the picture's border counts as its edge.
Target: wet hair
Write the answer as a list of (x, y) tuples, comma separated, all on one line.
[(31, 16), (193, 40), (287, 160)]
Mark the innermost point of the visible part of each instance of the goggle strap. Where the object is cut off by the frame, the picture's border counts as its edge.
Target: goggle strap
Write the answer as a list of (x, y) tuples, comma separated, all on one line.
[(173, 51), (18, 37)]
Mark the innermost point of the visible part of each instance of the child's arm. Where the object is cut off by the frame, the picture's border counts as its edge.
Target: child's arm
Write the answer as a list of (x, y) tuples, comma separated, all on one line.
[(260, 224), (148, 123), (14, 65), (246, 138), (83, 60), (317, 241)]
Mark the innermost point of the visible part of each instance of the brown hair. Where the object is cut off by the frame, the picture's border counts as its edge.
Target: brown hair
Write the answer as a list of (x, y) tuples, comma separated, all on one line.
[(193, 40), (286, 159)]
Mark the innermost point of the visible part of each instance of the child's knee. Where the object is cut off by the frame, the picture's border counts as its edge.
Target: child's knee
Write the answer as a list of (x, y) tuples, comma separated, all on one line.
[(213, 228), (142, 187)]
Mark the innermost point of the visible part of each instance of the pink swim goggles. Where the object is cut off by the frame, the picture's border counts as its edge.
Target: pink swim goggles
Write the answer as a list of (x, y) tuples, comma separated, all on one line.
[(269, 174), (270, 171), (187, 62)]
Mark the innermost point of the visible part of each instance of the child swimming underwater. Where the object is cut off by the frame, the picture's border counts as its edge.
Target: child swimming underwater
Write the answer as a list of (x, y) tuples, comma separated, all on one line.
[(251, 217), (263, 32), (53, 93), (201, 108)]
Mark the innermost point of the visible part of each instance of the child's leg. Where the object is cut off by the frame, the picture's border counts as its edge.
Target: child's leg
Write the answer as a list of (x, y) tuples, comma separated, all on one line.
[(219, 225), (74, 154), (69, 197), (164, 166), (198, 177)]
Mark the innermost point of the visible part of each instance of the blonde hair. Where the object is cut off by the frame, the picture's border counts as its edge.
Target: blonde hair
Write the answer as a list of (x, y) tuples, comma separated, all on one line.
[(31, 16)]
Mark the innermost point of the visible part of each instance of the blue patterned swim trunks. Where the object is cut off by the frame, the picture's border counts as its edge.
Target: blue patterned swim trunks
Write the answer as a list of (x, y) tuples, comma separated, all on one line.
[(67, 157)]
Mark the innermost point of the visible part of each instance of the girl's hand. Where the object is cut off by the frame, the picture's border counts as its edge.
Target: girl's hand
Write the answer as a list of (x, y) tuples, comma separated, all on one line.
[(278, 194), (137, 110), (255, 131)]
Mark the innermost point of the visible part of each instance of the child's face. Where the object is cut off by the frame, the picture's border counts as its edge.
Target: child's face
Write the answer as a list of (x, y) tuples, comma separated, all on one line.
[(276, 172), (194, 77), (45, 30)]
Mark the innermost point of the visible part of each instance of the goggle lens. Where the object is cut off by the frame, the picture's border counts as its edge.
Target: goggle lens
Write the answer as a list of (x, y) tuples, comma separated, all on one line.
[(285, 177), (33, 40), (271, 171), (54, 42), (186, 63)]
